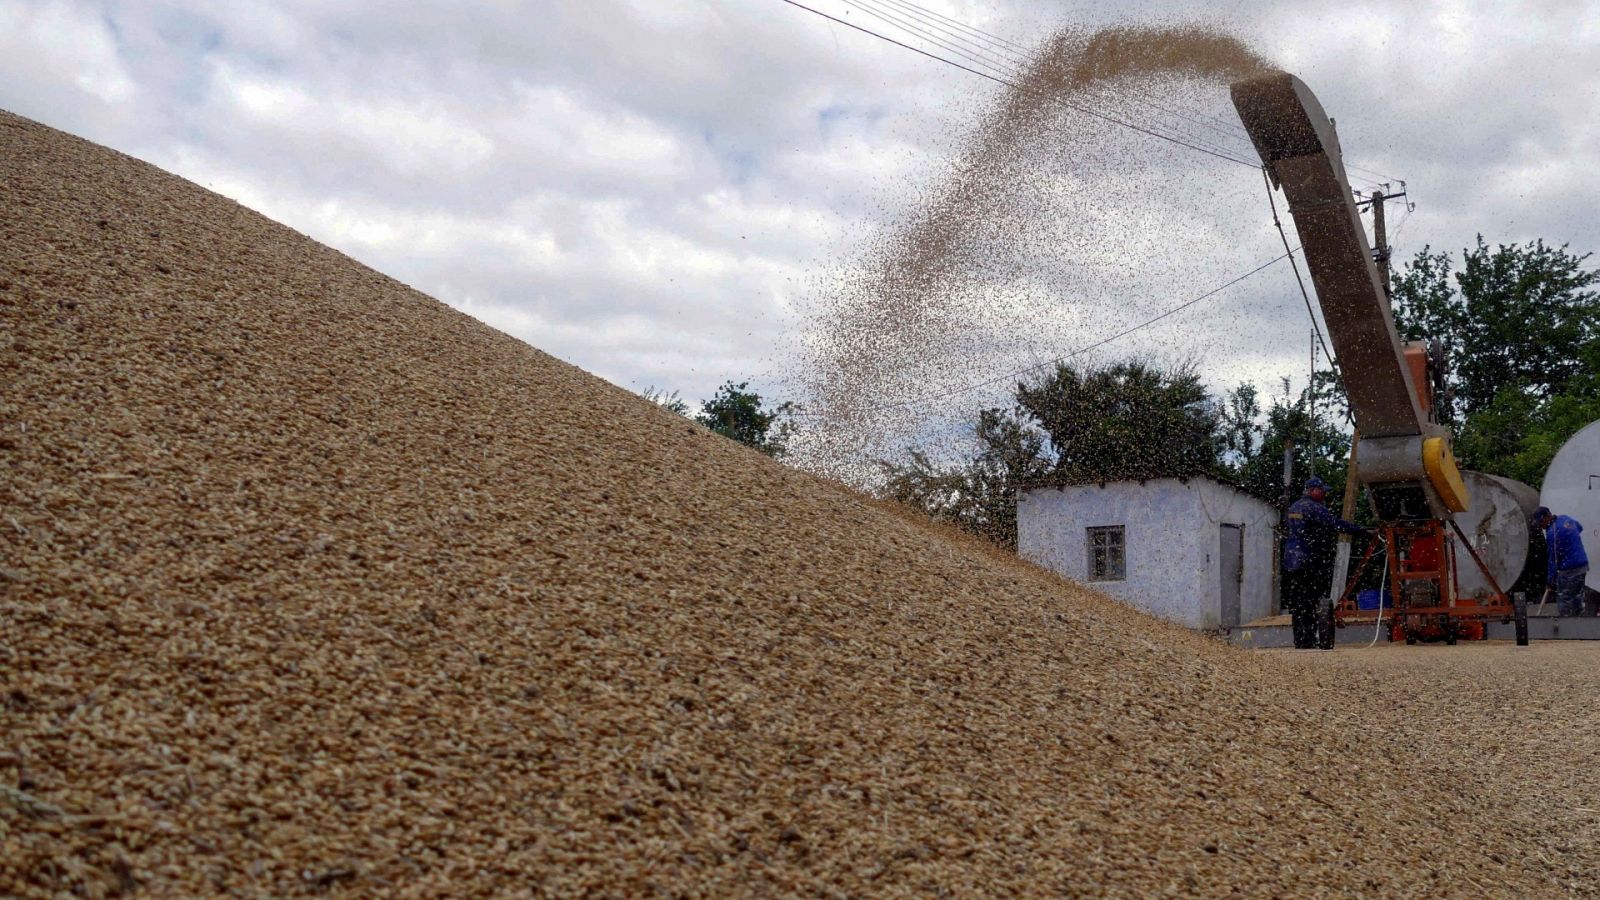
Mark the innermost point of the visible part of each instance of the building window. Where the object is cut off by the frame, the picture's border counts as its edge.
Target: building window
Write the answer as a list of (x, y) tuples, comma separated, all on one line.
[(1107, 553)]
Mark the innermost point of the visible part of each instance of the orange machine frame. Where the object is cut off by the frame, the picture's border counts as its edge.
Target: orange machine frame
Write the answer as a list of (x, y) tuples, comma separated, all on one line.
[(1421, 551)]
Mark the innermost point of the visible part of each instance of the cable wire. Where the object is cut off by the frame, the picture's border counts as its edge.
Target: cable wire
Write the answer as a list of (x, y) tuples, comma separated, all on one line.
[(954, 40), (1019, 53), (976, 57), (1013, 85), (1304, 294), (990, 37), (914, 401)]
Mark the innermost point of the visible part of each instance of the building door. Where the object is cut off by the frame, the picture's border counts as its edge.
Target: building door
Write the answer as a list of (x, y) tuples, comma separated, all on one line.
[(1232, 573)]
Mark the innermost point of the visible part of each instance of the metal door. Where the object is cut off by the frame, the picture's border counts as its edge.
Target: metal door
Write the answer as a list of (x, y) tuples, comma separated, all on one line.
[(1232, 573)]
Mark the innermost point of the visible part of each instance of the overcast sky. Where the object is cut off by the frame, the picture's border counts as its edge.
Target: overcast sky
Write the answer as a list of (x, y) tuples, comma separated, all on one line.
[(651, 189)]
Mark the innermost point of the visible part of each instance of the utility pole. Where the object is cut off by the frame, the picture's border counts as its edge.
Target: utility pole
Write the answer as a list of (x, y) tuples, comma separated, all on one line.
[(1352, 486), (1380, 236), (1283, 524), (1311, 409)]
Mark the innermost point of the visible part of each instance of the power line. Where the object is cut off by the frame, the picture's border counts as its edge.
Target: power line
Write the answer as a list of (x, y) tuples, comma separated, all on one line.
[(1401, 226), (1304, 294), (1018, 53), (1382, 178), (976, 57), (954, 42), (1002, 43), (920, 15), (1013, 85), (1078, 352), (1021, 56)]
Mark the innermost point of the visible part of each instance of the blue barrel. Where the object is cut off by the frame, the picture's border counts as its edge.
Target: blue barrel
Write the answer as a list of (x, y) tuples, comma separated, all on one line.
[(1368, 599)]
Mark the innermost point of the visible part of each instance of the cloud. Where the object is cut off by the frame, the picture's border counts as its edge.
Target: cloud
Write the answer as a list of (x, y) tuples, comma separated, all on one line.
[(409, 139), (60, 60), (658, 192)]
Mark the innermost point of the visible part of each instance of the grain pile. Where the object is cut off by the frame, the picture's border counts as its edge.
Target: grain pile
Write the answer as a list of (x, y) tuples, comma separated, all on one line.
[(312, 584), (1519, 725), (1053, 227)]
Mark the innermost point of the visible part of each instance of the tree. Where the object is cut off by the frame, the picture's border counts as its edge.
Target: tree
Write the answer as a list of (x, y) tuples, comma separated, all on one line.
[(1521, 328), (979, 496), (737, 413), (1318, 442), (1518, 435), (1130, 420), (1127, 421), (1518, 317), (1240, 415)]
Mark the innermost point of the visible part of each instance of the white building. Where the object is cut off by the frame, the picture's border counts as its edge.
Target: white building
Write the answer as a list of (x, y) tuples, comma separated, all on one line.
[(1190, 550)]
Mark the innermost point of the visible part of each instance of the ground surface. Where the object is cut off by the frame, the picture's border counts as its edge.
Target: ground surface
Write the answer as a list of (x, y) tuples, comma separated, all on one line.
[(309, 583), (1518, 726)]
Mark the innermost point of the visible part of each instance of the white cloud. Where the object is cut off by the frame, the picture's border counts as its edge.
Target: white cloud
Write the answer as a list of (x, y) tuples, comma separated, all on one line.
[(59, 57), (409, 138), (649, 189)]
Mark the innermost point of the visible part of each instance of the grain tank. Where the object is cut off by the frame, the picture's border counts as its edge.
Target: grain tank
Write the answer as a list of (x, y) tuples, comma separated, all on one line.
[(1495, 523)]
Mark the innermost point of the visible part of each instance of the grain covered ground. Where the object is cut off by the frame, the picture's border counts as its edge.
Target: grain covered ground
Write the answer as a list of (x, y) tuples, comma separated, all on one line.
[(312, 584)]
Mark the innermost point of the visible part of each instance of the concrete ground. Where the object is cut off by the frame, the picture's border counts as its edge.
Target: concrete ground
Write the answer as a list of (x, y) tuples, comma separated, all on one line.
[(1276, 632), (1515, 728)]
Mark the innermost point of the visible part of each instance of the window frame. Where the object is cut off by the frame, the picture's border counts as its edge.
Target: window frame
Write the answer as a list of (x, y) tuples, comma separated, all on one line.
[(1115, 546)]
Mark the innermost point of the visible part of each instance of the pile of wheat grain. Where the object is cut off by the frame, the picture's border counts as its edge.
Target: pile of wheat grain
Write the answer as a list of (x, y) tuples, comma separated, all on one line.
[(310, 583)]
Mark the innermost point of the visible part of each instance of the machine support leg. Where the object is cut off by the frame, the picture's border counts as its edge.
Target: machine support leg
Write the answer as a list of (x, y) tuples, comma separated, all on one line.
[(1519, 606), (1482, 566)]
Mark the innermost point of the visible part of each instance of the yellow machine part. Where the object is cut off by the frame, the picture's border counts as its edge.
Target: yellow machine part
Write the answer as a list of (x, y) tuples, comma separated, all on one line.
[(1440, 464)]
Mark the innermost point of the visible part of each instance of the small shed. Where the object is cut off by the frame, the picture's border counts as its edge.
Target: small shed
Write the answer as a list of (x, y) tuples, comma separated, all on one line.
[(1190, 550)]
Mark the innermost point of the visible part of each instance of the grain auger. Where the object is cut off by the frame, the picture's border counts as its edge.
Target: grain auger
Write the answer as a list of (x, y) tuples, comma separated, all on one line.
[(1404, 454)]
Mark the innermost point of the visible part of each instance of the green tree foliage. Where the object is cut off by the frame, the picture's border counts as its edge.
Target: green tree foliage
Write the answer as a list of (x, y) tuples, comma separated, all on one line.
[(1518, 434), (979, 496), (1319, 445), (1127, 421), (1240, 416), (1130, 420), (737, 412), (1521, 329)]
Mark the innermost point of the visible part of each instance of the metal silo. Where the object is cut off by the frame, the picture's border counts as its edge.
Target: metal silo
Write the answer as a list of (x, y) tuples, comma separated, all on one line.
[(1572, 488)]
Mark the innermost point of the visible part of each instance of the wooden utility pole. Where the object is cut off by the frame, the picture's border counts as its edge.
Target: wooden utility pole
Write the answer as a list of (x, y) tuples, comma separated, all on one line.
[(1352, 486), (1283, 525), (1380, 235), (1380, 239), (1311, 408)]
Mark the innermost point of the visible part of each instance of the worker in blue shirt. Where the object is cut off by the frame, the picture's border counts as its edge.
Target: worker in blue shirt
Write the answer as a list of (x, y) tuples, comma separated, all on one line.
[(1567, 566), (1309, 551)]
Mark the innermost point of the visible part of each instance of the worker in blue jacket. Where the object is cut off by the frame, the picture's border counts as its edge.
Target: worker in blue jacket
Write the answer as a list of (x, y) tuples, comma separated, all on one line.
[(1309, 551), (1567, 566)]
